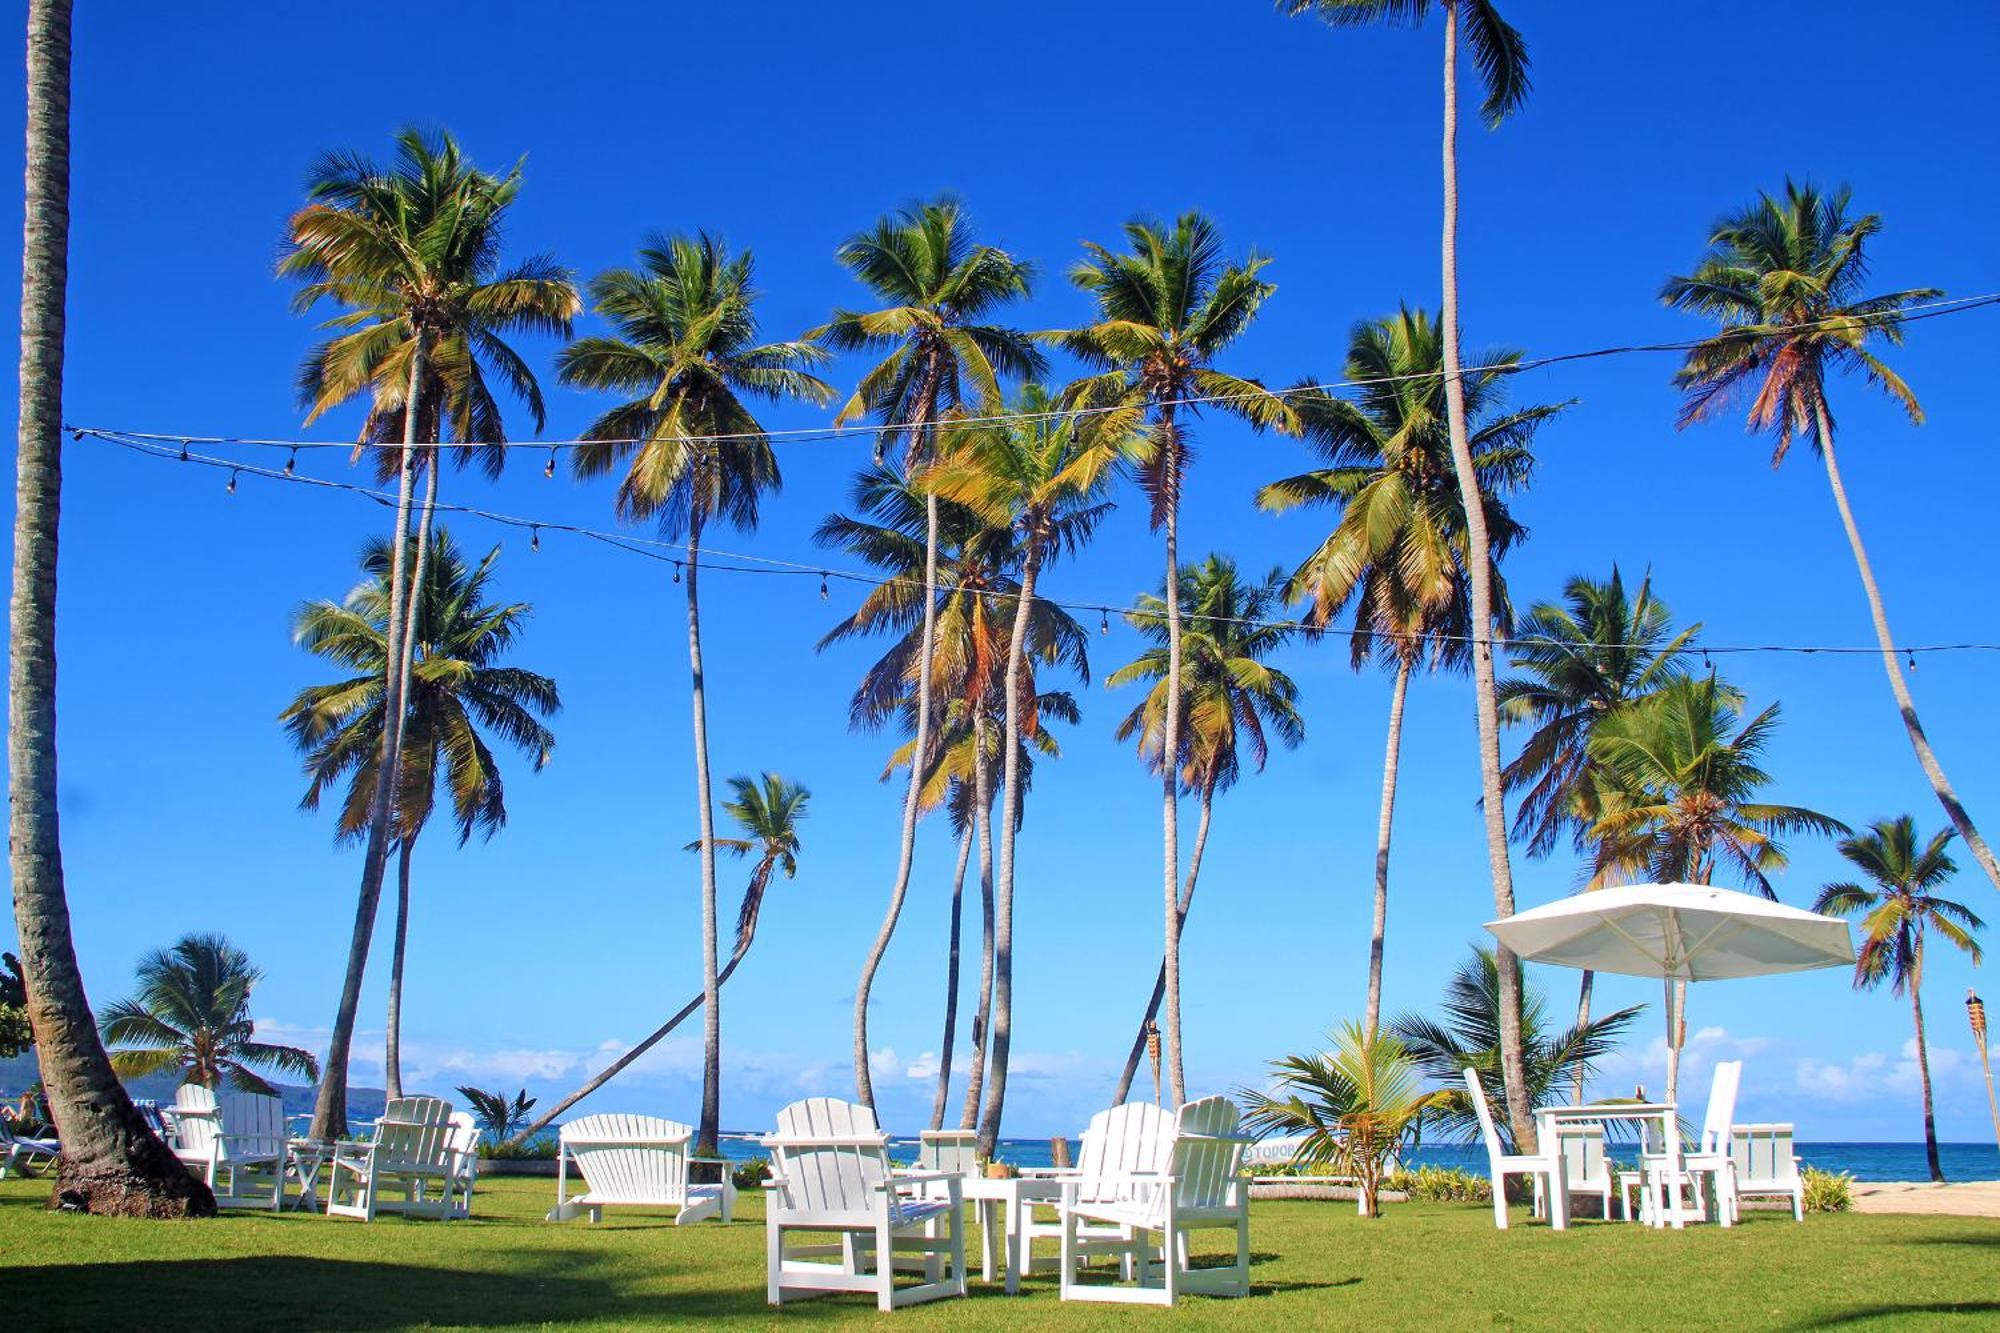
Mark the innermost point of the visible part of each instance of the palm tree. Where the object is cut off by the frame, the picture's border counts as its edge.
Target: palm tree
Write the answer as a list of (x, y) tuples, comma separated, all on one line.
[(1232, 695), (1397, 553), (1040, 474), (937, 290), (1502, 57), (1467, 1035), (494, 1113), (769, 812), (459, 692), (111, 1162), (411, 255), (1165, 311), (1354, 1106), (1899, 910), (1783, 278), (192, 1014), (685, 342)]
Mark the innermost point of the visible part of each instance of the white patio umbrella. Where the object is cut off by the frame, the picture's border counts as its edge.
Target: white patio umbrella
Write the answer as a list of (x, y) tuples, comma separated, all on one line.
[(1676, 932)]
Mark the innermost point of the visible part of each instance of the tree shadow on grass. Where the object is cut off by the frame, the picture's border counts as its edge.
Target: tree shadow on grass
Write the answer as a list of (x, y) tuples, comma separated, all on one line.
[(1977, 1239), (1934, 1309), (279, 1290)]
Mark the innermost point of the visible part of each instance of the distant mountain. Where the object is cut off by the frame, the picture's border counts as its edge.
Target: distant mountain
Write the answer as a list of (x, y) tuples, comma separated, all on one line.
[(19, 1073)]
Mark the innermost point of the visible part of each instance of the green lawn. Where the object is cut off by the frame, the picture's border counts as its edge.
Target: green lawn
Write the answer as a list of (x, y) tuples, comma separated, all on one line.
[(1315, 1266)]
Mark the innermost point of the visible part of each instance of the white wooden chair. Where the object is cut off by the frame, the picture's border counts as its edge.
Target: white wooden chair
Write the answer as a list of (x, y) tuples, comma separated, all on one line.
[(1707, 1170), (1119, 1141), (636, 1161), (1765, 1166), (464, 1144), (28, 1154), (1586, 1168), (1202, 1188), (412, 1150), (1546, 1167), (830, 1173), (230, 1138)]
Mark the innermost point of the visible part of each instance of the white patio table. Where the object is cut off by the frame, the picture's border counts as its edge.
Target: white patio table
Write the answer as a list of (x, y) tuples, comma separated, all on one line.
[(1018, 1194), (1547, 1118)]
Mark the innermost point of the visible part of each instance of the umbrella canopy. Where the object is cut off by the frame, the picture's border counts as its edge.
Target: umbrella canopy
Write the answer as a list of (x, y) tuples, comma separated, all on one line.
[(1681, 932)]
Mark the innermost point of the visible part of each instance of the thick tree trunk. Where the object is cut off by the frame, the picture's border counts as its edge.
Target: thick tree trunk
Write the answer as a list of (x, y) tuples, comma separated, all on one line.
[(111, 1162), (1131, 1070), (982, 1014), (1924, 1076), (711, 981), (1170, 741), (392, 1058), (1390, 762), (943, 1097), (330, 1109), (1010, 820), (1927, 758), (1479, 575)]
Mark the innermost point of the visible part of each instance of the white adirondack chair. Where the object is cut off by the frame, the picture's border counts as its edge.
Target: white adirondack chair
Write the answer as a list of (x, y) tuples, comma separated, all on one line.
[(1203, 1188), (1586, 1168), (1765, 1166), (830, 1173), (464, 1144), (636, 1161), (25, 1152), (1708, 1165), (412, 1150), (228, 1139), (1119, 1141), (1546, 1168)]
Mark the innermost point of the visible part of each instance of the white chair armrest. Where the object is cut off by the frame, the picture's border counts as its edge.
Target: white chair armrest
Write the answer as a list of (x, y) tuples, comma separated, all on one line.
[(902, 1178)]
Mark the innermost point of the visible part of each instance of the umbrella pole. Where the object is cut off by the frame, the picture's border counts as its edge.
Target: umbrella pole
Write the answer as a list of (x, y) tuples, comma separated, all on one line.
[(1673, 1039)]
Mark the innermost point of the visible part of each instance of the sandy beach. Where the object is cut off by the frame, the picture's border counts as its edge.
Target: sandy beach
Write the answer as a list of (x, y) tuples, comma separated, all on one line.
[(1972, 1198)]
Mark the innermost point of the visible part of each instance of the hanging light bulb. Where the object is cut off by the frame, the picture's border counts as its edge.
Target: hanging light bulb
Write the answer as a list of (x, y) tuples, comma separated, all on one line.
[(823, 594), (534, 538), (1104, 620), (677, 571), (292, 463), (76, 435), (231, 488), (1913, 657), (1706, 664), (550, 469), (184, 451)]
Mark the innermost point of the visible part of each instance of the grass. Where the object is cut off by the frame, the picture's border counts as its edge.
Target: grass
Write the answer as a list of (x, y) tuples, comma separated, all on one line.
[(1315, 1265)]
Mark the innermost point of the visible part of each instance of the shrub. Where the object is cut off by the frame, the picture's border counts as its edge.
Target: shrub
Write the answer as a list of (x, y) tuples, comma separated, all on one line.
[(1442, 1184), (1828, 1191), (537, 1150), (750, 1175)]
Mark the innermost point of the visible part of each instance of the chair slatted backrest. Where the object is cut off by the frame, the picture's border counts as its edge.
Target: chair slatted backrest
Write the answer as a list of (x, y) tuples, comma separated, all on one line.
[(252, 1125), (1487, 1129), (1584, 1162), (464, 1136), (1763, 1155), (1124, 1140), (414, 1133), (954, 1150), (1207, 1154), (829, 1158), (197, 1121), (1721, 1107), (631, 1158)]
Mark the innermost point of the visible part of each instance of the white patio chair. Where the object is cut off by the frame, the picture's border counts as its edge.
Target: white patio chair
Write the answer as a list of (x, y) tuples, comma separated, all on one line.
[(1586, 1168), (1544, 1167), (1765, 1166), (1707, 1170), (230, 1138), (1203, 1188), (830, 1173), (464, 1144), (412, 1150), (1121, 1140), (29, 1153), (636, 1161)]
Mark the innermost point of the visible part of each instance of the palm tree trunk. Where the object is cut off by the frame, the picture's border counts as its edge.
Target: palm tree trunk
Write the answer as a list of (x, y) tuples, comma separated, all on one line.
[(1131, 1069), (1010, 820), (982, 1016), (111, 1162), (711, 981), (413, 604), (1390, 763), (1170, 749), (1924, 1076), (1583, 1018), (1927, 759), (1479, 573), (392, 1059), (951, 980), (330, 1109)]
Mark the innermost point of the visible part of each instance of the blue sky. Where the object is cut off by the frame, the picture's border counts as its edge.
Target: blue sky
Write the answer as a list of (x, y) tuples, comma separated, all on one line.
[(575, 929)]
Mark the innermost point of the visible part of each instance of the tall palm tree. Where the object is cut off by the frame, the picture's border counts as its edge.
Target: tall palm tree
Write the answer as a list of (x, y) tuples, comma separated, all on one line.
[(685, 342), (192, 1015), (111, 1162), (1397, 554), (1040, 474), (459, 693), (1501, 55), (1784, 278), (1165, 310), (1232, 695), (1899, 910), (768, 812), (410, 254), (938, 291)]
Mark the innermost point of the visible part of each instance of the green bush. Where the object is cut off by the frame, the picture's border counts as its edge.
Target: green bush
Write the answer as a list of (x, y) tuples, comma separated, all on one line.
[(750, 1175), (1828, 1191), (1442, 1184), (541, 1150)]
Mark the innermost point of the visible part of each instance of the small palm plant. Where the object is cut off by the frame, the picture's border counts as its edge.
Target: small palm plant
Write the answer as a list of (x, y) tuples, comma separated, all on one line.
[(1355, 1106), (497, 1117), (192, 1014)]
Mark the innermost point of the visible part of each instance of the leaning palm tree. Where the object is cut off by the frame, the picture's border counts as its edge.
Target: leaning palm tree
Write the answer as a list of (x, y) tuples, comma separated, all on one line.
[(1233, 698), (938, 291), (460, 694), (1397, 553), (191, 1015), (1502, 58), (410, 254), (1900, 909), (111, 1162), (767, 812), (1165, 310), (1783, 278), (685, 342)]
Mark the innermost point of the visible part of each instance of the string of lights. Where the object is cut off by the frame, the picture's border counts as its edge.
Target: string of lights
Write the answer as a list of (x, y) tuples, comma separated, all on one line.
[(822, 434), (677, 554)]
